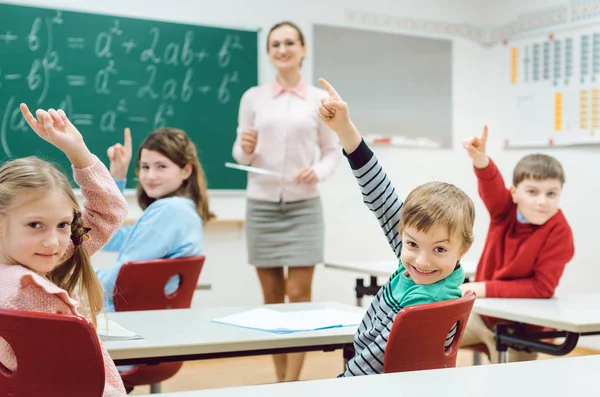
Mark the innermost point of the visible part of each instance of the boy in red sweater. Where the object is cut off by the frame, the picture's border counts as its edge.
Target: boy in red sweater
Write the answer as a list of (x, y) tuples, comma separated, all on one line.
[(529, 241)]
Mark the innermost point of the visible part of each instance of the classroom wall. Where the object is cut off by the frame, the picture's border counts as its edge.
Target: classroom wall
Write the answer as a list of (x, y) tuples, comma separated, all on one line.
[(351, 232), (582, 188), (480, 95)]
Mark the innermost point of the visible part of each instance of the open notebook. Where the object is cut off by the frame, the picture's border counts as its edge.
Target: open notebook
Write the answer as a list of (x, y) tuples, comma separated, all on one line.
[(108, 330), (297, 321)]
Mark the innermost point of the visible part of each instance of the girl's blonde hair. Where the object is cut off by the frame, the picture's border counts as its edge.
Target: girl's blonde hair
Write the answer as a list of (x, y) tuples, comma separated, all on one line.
[(175, 145), (440, 204), (36, 177)]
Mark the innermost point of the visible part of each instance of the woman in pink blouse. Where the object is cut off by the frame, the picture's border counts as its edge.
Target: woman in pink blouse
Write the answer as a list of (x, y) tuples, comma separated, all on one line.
[(279, 130)]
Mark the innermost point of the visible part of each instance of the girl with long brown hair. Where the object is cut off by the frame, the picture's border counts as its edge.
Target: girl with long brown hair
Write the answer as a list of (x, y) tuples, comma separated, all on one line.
[(172, 192)]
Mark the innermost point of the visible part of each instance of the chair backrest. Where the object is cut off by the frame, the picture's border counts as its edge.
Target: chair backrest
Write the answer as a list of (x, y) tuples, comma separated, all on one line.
[(57, 356), (418, 335), (140, 285)]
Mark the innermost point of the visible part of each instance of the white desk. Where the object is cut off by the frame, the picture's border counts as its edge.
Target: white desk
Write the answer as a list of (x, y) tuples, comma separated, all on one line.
[(576, 315), (376, 268), (381, 269), (190, 334), (576, 376)]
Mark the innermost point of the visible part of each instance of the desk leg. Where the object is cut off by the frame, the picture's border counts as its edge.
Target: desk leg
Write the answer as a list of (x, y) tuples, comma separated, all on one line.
[(359, 287), (362, 289), (503, 357), (501, 347), (348, 352), (374, 286), (515, 337), (155, 388)]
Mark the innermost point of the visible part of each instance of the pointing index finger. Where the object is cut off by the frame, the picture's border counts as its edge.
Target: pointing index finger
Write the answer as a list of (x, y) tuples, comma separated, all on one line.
[(127, 141), (329, 88), (29, 117)]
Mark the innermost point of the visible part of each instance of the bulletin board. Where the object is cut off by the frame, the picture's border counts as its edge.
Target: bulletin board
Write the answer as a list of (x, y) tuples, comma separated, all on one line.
[(555, 83)]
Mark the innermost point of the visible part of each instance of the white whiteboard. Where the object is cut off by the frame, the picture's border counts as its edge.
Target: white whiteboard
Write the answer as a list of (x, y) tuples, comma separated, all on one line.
[(398, 86), (555, 81)]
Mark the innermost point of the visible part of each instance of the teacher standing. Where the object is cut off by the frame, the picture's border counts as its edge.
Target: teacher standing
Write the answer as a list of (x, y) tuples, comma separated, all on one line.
[(278, 130)]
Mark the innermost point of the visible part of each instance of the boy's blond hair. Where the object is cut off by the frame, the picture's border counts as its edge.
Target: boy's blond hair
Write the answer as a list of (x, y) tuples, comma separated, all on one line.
[(538, 167), (439, 204)]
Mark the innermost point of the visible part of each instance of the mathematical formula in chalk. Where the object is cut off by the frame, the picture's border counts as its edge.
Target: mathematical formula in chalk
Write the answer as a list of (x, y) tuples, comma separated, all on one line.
[(165, 71)]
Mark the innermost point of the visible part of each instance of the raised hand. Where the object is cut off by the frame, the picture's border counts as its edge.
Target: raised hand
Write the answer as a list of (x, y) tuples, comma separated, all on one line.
[(335, 114), (249, 140), (120, 156), (475, 147), (333, 110), (54, 127)]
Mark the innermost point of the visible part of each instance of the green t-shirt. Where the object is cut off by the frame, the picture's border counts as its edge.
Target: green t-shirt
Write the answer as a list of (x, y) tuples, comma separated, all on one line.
[(401, 291)]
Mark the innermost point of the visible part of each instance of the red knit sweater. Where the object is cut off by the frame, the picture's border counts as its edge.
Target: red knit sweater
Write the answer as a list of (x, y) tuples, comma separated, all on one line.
[(519, 260)]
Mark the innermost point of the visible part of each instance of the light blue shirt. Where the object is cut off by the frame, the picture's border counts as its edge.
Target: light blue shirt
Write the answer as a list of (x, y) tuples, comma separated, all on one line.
[(168, 228), (521, 218)]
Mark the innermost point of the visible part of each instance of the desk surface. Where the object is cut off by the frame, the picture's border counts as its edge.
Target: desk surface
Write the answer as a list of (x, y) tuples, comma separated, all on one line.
[(575, 313), (212, 222), (572, 377), (181, 332), (386, 268)]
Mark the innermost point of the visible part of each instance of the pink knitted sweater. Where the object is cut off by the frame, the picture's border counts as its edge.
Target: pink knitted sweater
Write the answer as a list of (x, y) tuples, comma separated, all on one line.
[(22, 289)]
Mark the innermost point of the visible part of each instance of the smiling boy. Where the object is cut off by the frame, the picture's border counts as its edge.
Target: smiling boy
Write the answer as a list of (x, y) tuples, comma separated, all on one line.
[(529, 241), (429, 233)]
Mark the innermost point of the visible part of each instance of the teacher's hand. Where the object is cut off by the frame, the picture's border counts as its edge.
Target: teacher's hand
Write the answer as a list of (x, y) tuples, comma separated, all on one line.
[(307, 175), (249, 139)]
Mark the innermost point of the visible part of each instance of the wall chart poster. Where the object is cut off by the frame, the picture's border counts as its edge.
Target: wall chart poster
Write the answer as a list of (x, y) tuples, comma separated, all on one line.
[(555, 80)]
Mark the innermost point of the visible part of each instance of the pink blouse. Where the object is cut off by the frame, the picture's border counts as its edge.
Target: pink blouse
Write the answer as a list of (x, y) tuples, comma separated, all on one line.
[(289, 134)]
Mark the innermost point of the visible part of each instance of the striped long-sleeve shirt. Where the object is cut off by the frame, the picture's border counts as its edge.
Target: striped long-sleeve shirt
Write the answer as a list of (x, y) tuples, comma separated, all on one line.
[(400, 291)]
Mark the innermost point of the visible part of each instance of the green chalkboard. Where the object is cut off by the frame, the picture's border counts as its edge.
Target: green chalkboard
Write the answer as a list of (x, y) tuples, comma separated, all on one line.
[(109, 72)]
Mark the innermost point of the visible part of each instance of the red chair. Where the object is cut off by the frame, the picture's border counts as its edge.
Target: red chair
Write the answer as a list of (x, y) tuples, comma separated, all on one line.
[(140, 285), (57, 355), (419, 333)]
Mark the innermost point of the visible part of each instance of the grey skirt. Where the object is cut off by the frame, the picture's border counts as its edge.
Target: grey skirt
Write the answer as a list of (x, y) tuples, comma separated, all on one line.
[(284, 234)]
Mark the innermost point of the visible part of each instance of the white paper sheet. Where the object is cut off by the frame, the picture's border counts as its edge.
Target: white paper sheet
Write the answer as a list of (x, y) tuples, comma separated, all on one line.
[(296, 321), (108, 330), (256, 170)]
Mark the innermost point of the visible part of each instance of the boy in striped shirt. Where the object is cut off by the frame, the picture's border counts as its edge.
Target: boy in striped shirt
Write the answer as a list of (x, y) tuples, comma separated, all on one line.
[(429, 233)]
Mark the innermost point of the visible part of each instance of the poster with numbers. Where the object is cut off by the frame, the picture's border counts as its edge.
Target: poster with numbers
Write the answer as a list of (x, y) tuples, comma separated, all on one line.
[(555, 80)]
